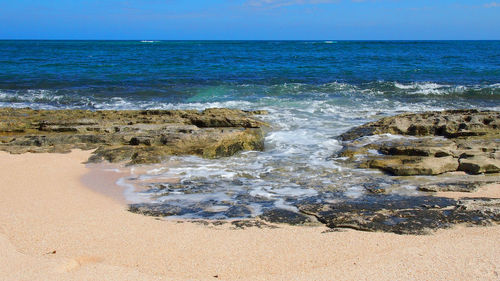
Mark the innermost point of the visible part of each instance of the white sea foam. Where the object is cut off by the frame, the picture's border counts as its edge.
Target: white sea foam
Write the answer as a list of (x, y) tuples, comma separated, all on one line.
[(420, 85), (195, 198), (256, 209), (404, 86), (430, 88), (261, 192), (354, 192), (130, 193), (280, 204), (294, 192), (217, 208), (319, 103)]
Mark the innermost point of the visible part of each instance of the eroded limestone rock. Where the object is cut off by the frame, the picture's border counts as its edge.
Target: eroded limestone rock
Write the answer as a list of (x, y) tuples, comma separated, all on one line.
[(450, 124), (133, 136), (433, 143), (414, 165), (479, 164)]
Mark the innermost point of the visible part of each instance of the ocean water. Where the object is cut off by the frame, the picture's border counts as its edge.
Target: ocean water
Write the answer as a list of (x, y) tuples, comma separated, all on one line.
[(314, 91)]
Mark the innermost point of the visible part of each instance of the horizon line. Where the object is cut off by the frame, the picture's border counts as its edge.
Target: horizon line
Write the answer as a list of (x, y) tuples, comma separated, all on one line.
[(333, 40)]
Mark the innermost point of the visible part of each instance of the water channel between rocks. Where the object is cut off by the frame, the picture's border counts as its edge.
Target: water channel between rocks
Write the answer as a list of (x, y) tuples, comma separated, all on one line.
[(298, 168)]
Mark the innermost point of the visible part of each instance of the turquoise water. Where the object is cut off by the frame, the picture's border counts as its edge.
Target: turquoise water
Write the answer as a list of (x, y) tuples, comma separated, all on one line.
[(314, 91)]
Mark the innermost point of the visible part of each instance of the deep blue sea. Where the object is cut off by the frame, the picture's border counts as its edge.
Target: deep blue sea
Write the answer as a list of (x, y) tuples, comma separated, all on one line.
[(116, 74), (314, 91)]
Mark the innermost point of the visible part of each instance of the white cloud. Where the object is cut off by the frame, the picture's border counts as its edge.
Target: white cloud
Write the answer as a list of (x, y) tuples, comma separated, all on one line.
[(492, 5)]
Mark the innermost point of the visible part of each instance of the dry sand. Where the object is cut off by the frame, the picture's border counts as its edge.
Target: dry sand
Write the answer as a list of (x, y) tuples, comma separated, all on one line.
[(52, 227)]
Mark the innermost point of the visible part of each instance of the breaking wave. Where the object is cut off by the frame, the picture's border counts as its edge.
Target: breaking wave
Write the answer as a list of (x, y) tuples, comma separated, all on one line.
[(335, 92)]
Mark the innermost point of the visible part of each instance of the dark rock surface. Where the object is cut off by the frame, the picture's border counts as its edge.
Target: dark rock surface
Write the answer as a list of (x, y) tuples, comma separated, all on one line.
[(285, 216), (379, 212), (404, 215), (454, 186), (202, 209), (134, 136)]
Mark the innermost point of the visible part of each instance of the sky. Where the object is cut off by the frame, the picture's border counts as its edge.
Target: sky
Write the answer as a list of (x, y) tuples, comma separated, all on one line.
[(250, 19)]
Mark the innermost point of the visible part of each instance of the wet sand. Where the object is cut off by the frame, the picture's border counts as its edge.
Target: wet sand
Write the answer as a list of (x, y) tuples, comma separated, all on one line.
[(102, 179), (53, 227)]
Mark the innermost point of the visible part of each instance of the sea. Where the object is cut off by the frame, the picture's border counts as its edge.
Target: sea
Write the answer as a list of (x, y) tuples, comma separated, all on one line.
[(313, 90)]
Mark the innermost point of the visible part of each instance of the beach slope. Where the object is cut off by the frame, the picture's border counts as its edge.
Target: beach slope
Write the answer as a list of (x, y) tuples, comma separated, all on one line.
[(52, 227)]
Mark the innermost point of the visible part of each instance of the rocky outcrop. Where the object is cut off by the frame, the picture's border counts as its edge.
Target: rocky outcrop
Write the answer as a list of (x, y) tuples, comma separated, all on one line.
[(414, 165), (450, 124), (419, 144), (431, 144), (435, 143), (133, 136), (404, 215)]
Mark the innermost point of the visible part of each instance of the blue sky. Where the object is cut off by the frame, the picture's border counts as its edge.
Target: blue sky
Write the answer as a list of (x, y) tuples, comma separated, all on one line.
[(249, 19)]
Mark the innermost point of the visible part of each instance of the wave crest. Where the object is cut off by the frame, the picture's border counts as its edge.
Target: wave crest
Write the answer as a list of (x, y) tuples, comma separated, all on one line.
[(248, 95)]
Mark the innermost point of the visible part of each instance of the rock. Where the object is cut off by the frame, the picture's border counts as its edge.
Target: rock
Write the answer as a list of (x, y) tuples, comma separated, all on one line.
[(238, 211), (157, 210), (459, 186), (404, 215), (223, 117), (426, 147), (481, 205), (450, 124), (285, 216), (203, 210), (415, 165), (242, 224), (479, 164), (432, 143), (375, 188), (133, 136)]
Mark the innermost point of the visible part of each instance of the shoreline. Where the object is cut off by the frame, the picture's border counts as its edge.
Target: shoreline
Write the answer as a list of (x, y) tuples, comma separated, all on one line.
[(45, 207), (215, 186), (102, 178)]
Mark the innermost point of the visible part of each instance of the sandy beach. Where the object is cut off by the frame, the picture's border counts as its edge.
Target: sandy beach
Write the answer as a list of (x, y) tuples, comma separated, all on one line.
[(53, 227)]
